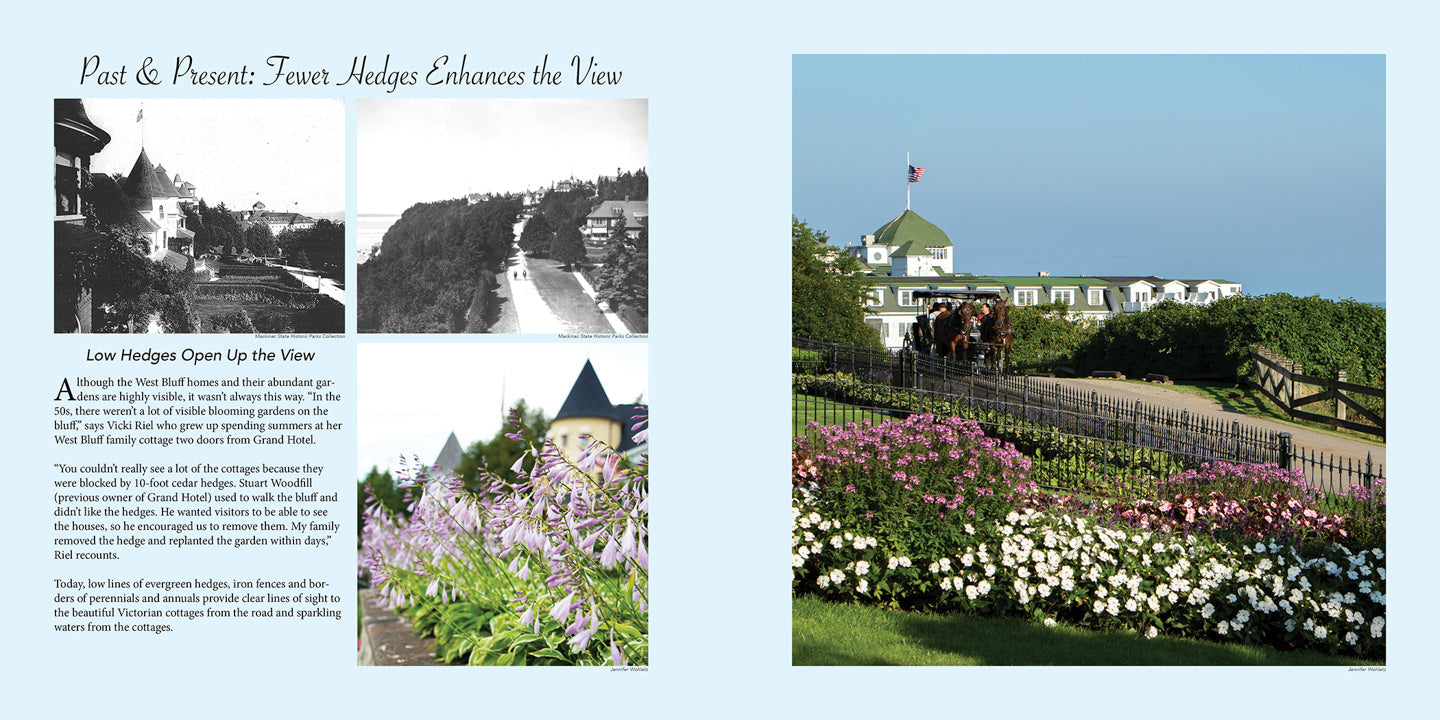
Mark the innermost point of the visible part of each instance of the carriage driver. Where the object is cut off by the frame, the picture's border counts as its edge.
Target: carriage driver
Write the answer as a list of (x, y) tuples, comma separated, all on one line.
[(983, 317)]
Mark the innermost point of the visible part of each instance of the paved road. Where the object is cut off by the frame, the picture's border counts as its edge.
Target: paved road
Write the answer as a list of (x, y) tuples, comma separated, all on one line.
[(1155, 394), (535, 315), (313, 281)]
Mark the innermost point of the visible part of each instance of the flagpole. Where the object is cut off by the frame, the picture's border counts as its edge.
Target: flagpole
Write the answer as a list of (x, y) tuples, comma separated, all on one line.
[(907, 179)]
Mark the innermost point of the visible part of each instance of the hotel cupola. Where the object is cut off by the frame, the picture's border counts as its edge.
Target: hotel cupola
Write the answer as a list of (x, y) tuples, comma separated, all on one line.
[(909, 245)]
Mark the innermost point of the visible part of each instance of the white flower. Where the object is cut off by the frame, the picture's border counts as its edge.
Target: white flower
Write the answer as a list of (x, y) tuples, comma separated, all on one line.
[(1151, 632), (836, 542), (823, 581), (1131, 605), (1321, 632), (1223, 628), (1207, 611), (862, 568), (837, 576), (1352, 638), (1049, 622), (862, 586)]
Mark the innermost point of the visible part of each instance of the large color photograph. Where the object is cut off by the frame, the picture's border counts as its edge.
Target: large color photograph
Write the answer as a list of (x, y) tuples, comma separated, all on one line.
[(1089, 360)]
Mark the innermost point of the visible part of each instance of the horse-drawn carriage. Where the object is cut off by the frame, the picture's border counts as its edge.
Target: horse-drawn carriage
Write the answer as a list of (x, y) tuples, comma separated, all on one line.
[(952, 325)]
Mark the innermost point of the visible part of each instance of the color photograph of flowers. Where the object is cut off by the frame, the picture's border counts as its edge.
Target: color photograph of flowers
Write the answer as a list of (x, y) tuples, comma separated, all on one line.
[(1008, 447), (929, 517), (528, 546)]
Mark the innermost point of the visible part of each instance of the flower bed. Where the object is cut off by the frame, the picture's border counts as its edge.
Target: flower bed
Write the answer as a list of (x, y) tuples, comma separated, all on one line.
[(888, 515), (551, 571)]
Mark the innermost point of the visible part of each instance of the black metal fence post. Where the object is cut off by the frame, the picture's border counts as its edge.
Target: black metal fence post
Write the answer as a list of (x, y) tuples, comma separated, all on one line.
[(1284, 451)]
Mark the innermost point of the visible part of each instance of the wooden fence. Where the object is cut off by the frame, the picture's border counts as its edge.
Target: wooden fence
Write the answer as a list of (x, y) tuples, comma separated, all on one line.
[(1285, 384)]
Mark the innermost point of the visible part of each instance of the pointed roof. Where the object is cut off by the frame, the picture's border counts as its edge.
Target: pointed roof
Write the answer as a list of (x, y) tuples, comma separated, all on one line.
[(587, 397), (142, 183), (909, 227), (449, 457), (911, 249), (164, 179)]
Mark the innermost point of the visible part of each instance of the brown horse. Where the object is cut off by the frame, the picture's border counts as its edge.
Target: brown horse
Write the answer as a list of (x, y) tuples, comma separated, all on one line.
[(952, 333), (995, 333)]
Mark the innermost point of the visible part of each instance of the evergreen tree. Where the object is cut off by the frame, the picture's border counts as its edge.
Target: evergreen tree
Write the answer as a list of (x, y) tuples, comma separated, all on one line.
[(537, 236), (569, 246)]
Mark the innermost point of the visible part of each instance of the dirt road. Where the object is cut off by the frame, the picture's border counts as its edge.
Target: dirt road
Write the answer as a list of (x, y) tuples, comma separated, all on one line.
[(1156, 394)]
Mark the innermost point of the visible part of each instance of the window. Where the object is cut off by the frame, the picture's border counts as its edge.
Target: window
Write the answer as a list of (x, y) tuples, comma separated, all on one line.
[(1138, 295), (1097, 296), (67, 184), (878, 256), (1025, 297), (907, 298), (940, 253), (1066, 296), (876, 298)]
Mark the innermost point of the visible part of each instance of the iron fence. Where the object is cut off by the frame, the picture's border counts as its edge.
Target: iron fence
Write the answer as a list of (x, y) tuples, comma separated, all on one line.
[(1106, 433)]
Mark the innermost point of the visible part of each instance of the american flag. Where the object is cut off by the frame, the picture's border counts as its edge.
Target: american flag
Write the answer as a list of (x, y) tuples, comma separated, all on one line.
[(915, 173)]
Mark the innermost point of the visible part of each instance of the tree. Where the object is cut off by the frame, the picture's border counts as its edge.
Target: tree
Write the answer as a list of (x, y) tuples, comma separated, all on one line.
[(501, 452), (569, 246), (259, 240), (624, 276), (535, 239), (827, 291), (224, 230)]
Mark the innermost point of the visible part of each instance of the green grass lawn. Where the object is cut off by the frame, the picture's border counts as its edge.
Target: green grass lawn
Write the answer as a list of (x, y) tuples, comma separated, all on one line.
[(832, 634), (805, 408)]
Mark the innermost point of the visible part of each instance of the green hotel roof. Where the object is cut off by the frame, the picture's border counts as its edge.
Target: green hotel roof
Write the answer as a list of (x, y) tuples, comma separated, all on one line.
[(911, 249), (909, 227)]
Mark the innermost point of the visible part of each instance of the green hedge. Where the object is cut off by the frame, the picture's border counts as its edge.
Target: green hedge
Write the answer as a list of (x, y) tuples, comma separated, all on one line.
[(1214, 341)]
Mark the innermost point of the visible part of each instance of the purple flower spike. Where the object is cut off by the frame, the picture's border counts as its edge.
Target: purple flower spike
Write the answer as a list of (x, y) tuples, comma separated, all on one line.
[(616, 659)]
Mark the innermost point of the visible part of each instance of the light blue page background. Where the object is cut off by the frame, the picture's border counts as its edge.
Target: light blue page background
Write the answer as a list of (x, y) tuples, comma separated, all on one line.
[(718, 81)]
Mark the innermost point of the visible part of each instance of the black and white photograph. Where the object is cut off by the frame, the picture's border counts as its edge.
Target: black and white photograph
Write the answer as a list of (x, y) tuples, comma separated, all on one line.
[(199, 216), (503, 216)]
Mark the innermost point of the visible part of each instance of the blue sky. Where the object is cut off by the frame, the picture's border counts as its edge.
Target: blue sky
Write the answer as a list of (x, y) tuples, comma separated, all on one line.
[(1268, 170)]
